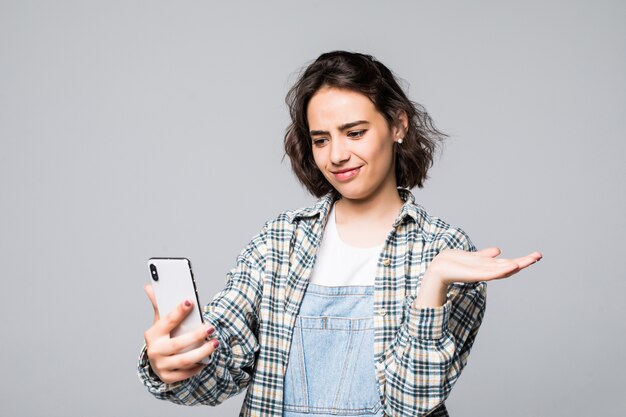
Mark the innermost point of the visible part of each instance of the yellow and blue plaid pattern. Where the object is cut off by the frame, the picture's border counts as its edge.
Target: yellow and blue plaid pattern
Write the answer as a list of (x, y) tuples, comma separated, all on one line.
[(419, 353)]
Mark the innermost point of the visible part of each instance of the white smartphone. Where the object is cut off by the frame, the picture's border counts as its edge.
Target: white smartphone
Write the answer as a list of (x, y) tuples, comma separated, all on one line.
[(172, 281)]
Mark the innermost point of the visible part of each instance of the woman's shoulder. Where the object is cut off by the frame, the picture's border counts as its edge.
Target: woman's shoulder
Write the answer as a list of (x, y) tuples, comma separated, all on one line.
[(436, 231), (441, 233), (291, 216)]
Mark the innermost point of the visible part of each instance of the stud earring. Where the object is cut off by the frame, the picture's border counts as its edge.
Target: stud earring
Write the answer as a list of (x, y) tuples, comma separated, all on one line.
[(400, 141)]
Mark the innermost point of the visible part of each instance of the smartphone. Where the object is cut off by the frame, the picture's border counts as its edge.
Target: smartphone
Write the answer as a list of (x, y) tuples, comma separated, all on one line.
[(172, 281)]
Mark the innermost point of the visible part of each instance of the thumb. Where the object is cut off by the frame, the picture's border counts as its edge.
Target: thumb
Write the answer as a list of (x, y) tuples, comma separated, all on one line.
[(150, 292), (491, 252)]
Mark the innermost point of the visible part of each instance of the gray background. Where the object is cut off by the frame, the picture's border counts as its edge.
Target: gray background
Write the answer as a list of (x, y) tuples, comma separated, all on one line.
[(134, 129)]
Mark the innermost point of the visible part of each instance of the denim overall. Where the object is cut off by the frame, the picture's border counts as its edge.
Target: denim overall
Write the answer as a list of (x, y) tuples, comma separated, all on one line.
[(331, 362)]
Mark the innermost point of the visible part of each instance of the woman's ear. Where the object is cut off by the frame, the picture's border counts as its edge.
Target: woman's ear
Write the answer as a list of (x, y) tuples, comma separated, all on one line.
[(402, 124)]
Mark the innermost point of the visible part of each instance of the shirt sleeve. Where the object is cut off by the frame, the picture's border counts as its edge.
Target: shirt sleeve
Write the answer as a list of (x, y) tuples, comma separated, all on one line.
[(234, 312), (433, 344)]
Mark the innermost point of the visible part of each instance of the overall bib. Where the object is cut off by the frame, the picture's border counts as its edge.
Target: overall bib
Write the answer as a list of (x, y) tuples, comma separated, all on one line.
[(331, 362)]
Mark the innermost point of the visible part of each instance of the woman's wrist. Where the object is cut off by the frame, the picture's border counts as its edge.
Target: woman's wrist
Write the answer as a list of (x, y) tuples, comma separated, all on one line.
[(433, 292)]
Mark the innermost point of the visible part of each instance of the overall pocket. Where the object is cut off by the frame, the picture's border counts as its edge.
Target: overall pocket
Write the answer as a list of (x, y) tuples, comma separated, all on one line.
[(331, 367)]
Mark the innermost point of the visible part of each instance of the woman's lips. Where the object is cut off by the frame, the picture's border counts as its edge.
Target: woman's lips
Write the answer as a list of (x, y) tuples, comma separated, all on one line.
[(342, 176)]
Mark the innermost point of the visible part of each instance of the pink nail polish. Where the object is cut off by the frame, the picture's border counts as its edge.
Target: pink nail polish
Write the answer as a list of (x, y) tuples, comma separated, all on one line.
[(216, 343), (187, 303), (211, 330)]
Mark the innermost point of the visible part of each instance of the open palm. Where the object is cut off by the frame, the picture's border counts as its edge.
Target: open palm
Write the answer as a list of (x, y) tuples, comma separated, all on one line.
[(456, 265)]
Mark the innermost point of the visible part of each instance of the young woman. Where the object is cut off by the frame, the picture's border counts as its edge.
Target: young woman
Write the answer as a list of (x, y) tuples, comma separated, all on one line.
[(362, 304)]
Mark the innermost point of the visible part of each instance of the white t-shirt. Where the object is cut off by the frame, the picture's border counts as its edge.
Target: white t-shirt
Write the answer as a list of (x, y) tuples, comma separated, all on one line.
[(339, 264)]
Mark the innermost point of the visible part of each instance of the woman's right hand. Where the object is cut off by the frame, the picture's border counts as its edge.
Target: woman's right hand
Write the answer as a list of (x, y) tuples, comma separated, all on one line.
[(164, 352)]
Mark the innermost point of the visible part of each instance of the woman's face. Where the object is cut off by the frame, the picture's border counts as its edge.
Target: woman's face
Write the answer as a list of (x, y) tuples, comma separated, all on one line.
[(352, 143)]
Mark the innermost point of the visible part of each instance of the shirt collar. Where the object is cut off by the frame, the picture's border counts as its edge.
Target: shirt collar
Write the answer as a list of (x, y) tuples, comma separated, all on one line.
[(409, 210)]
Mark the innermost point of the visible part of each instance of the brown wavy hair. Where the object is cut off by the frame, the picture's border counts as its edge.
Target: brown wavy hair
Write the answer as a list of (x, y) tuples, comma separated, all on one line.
[(361, 73)]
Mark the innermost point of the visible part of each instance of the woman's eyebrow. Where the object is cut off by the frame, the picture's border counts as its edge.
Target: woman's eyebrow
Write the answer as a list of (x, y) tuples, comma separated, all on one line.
[(341, 128)]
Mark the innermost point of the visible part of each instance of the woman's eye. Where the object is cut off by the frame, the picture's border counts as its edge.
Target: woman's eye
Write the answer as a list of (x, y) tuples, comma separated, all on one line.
[(318, 142), (356, 134)]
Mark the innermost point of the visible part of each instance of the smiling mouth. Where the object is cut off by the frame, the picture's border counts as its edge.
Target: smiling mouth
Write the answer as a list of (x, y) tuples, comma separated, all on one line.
[(346, 174)]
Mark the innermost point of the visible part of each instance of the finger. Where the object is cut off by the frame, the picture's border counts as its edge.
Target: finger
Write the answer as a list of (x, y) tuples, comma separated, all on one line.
[(511, 267), (180, 374), (150, 292), (187, 360), (527, 260), (174, 317), (491, 252), (182, 342)]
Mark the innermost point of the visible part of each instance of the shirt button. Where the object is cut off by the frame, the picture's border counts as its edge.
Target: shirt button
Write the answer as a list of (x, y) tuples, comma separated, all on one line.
[(382, 312), (386, 262)]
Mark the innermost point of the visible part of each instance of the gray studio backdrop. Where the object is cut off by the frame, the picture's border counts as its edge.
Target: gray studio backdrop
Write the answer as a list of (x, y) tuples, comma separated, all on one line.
[(133, 129)]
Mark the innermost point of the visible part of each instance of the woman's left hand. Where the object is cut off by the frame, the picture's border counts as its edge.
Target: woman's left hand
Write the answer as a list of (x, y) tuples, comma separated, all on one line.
[(457, 265)]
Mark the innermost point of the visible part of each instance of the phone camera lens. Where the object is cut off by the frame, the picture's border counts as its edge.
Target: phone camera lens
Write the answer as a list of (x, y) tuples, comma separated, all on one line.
[(153, 271)]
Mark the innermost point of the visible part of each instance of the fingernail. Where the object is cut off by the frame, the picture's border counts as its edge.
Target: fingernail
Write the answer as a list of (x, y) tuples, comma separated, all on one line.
[(215, 343), (187, 303), (211, 330)]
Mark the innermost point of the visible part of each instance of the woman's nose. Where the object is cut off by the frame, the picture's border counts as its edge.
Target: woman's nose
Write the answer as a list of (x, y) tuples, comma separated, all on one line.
[(338, 151)]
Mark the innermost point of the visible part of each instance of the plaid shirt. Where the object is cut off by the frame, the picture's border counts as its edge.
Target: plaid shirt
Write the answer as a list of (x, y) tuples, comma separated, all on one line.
[(419, 353)]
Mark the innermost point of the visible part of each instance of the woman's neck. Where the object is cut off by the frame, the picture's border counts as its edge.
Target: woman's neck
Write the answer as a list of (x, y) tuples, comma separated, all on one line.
[(367, 223), (382, 208)]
